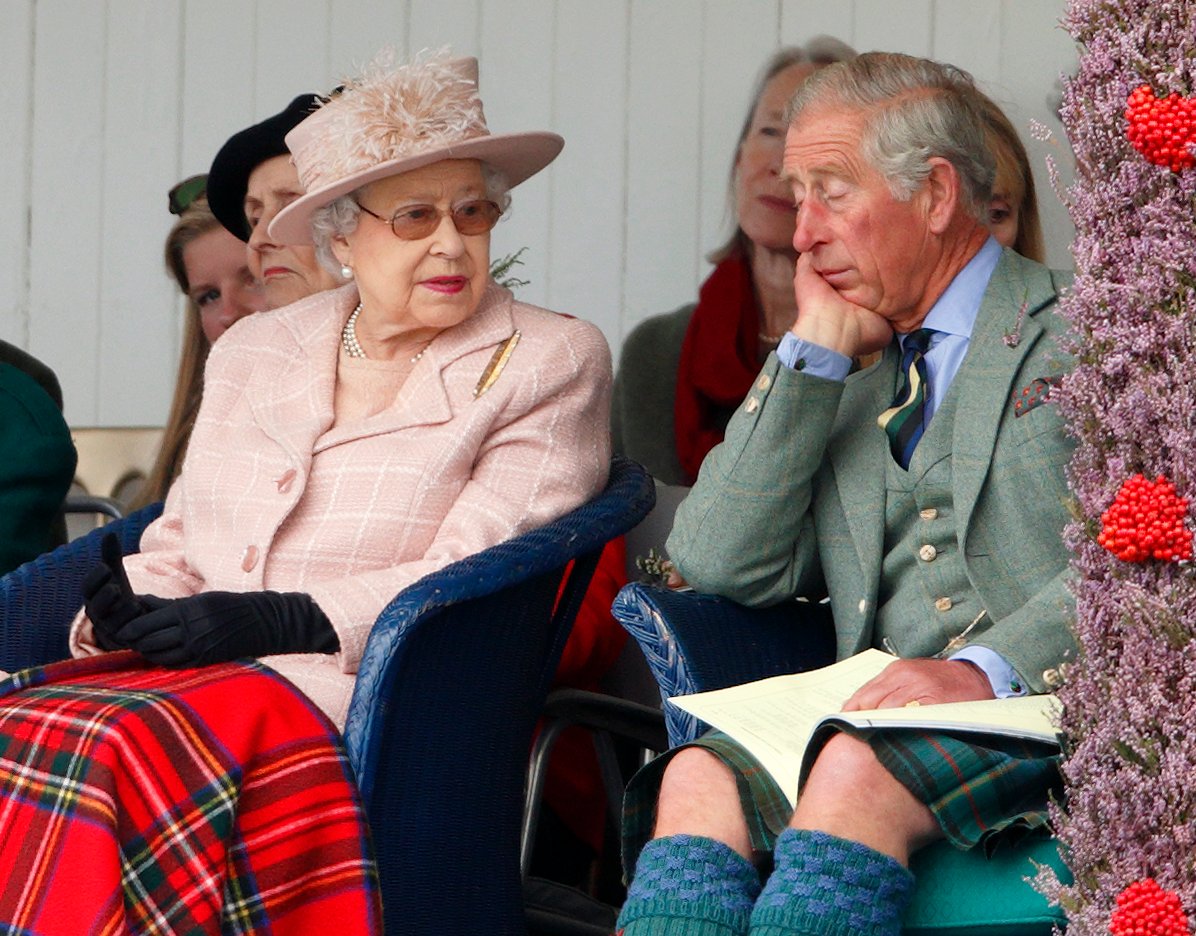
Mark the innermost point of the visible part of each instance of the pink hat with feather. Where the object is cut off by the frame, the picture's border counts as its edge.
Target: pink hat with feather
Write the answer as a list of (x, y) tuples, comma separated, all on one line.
[(391, 121)]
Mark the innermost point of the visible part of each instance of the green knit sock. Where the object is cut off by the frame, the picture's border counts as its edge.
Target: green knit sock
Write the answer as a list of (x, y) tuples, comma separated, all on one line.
[(687, 885), (828, 886)]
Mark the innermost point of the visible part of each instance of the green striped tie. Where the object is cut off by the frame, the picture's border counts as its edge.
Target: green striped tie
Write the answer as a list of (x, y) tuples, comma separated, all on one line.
[(904, 421)]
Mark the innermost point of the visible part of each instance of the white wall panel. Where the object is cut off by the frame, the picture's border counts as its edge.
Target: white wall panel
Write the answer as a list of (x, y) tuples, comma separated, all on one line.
[(136, 311), (219, 72), (517, 89), (968, 33), (108, 102), (803, 19), (436, 23), (1034, 53), (589, 181), (737, 38), (893, 26), (663, 146), (359, 29), (66, 197), (291, 51), (16, 116)]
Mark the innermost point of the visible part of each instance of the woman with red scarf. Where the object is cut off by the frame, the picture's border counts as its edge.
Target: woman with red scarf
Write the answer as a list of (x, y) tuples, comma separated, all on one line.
[(686, 371)]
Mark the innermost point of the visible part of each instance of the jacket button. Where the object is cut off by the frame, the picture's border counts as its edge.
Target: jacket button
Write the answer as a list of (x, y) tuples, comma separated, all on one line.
[(1053, 678), (928, 513), (284, 483), (943, 604), (927, 553), (751, 405), (764, 382), (249, 558)]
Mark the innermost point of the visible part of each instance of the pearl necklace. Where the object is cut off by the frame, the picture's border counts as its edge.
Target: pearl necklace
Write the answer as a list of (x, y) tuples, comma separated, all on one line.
[(349, 340)]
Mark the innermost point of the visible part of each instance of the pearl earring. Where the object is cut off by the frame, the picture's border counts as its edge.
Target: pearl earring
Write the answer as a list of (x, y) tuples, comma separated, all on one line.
[(346, 271)]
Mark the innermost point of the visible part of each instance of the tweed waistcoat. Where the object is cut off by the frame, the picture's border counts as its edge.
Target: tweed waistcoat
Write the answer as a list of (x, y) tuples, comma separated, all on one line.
[(925, 598)]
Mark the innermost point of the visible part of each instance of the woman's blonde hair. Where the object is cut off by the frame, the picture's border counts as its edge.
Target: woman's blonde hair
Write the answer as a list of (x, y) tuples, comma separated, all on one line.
[(195, 221), (1013, 165)]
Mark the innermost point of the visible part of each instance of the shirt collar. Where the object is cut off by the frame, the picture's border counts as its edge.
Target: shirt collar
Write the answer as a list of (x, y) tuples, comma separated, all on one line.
[(955, 311)]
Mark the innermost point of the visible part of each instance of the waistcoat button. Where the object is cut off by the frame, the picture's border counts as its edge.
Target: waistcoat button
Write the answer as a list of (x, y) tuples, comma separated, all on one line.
[(927, 553), (249, 558), (928, 513), (286, 480), (943, 604)]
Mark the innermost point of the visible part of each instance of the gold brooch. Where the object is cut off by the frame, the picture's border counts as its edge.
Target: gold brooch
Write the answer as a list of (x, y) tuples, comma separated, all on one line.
[(498, 361)]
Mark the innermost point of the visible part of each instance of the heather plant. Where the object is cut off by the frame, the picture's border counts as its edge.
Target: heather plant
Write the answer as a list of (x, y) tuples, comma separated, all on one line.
[(1130, 770)]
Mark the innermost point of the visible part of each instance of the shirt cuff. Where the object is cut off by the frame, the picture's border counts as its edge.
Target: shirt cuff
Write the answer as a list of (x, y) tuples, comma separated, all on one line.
[(1003, 678), (799, 354)]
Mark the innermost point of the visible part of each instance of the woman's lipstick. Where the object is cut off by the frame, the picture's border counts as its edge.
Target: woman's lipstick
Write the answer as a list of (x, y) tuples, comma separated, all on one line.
[(445, 284)]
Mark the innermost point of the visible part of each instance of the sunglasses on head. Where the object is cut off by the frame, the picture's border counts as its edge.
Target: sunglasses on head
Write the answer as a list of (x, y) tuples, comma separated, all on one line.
[(415, 222), (183, 195)]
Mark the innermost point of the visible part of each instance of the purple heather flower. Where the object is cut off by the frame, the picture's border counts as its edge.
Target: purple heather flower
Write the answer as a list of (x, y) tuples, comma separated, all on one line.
[(1130, 403)]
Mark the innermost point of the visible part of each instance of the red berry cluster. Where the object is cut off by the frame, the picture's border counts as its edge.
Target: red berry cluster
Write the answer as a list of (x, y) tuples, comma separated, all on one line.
[(1145, 909), (1161, 129), (1146, 521)]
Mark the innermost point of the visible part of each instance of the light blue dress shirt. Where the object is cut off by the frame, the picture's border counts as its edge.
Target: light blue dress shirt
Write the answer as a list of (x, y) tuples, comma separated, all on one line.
[(952, 316)]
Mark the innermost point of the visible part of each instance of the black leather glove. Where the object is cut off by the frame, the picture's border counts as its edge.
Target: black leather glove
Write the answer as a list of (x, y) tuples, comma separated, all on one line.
[(108, 598), (213, 627)]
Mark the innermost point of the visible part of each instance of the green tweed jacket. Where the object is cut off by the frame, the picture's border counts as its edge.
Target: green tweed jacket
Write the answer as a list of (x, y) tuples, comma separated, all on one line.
[(37, 463), (793, 502)]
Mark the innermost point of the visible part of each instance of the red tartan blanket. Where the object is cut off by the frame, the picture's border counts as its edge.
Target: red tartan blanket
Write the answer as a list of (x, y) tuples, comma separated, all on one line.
[(144, 800)]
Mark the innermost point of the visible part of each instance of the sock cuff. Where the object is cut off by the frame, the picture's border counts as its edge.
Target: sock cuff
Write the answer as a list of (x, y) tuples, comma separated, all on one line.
[(825, 884), (686, 878)]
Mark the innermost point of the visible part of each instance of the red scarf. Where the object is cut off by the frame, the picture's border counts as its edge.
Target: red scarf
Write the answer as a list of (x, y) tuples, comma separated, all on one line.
[(718, 360)]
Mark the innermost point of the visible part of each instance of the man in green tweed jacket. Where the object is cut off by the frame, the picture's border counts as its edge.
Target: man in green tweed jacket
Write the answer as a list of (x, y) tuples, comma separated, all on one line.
[(937, 537), (37, 458)]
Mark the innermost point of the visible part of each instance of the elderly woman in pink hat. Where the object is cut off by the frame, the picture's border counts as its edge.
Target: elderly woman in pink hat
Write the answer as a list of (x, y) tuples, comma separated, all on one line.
[(347, 445), (355, 440)]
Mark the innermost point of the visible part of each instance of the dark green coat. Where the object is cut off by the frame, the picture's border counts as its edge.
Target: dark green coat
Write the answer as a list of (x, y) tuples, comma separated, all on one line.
[(37, 460)]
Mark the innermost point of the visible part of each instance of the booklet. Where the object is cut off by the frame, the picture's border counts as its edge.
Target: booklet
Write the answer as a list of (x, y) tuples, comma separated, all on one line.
[(784, 720)]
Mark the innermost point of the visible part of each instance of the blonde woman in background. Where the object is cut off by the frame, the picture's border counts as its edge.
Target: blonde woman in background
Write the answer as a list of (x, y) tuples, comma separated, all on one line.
[(211, 269), (1013, 210)]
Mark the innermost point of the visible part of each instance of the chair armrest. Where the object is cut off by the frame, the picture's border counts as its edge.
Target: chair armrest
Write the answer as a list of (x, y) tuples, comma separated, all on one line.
[(695, 642), (640, 723), (532, 561), (39, 600), (89, 503), (605, 717)]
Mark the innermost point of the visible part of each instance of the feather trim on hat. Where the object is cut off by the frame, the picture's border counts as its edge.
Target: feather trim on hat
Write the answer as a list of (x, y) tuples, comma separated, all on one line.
[(391, 113)]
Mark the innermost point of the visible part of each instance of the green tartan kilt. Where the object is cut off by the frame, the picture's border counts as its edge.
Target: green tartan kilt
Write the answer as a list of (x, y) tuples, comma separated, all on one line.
[(979, 787)]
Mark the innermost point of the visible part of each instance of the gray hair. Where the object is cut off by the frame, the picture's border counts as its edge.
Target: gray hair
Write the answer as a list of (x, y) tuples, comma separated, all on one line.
[(818, 52), (916, 109), (339, 218)]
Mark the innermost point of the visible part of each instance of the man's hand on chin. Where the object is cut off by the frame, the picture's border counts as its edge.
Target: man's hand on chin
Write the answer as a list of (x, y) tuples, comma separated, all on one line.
[(825, 318)]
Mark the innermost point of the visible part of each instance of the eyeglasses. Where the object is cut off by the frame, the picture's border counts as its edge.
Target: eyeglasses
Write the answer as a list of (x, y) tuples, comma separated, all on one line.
[(415, 222), (184, 195)]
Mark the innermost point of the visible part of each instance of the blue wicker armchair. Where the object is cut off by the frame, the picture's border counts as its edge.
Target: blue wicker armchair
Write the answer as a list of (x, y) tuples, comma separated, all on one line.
[(441, 721), (696, 642)]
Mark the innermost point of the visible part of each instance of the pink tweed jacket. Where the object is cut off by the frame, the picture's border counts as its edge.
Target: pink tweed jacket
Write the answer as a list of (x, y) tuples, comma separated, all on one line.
[(271, 497)]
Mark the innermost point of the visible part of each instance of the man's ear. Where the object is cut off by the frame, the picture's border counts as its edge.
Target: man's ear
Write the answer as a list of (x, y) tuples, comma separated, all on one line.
[(943, 193)]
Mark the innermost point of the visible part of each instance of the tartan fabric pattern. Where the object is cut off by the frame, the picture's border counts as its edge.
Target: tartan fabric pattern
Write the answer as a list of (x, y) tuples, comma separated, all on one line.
[(144, 800), (975, 790), (976, 787)]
